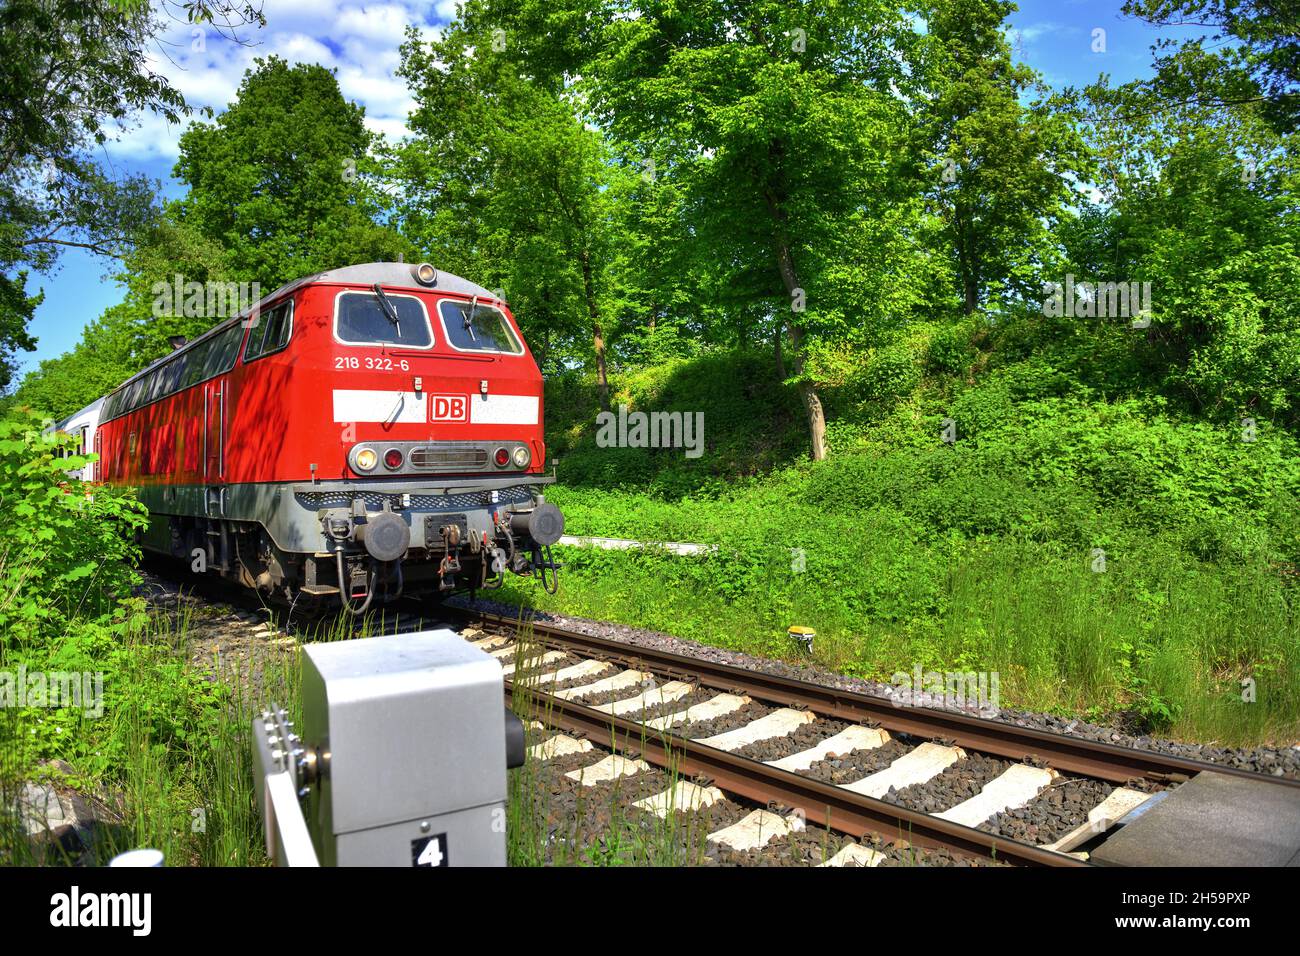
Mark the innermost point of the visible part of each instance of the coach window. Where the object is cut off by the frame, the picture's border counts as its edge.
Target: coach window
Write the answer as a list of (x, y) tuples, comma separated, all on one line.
[(271, 333), (223, 350), (133, 394), (195, 358), (472, 327), (360, 319), (170, 374)]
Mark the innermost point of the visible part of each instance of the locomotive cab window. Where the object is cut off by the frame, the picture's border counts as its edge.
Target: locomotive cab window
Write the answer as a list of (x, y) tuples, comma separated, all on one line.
[(271, 333), (360, 318), (474, 327)]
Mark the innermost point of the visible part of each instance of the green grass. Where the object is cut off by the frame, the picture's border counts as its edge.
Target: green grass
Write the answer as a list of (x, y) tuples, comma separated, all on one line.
[(177, 774), (902, 550), (1062, 638), (1164, 640), (190, 793)]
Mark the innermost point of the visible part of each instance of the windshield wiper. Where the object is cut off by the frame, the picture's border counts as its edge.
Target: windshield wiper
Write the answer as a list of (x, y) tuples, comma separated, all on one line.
[(386, 307), (469, 319)]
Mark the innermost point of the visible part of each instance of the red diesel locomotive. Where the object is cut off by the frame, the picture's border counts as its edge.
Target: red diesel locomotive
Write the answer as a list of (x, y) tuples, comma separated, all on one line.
[(359, 433)]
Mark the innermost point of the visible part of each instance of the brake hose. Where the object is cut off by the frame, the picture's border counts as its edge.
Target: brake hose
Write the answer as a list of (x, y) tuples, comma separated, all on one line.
[(344, 598)]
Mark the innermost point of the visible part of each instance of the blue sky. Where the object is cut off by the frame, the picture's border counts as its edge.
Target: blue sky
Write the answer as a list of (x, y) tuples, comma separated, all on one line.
[(360, 41)]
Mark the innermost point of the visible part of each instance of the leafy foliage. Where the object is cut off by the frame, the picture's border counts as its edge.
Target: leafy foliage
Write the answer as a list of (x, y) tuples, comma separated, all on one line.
[(278, 181), (65, 551)]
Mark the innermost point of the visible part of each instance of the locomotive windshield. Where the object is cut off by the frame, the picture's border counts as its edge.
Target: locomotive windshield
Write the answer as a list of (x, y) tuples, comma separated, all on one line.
[(472, 327), (361, 320)]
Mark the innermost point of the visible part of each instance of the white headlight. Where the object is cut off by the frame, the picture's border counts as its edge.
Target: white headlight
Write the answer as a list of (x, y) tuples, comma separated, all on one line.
[(366, 459), (521, 457)]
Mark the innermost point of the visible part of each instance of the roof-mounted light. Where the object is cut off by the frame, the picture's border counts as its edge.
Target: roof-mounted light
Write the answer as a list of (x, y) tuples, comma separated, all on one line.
[(426, 274)]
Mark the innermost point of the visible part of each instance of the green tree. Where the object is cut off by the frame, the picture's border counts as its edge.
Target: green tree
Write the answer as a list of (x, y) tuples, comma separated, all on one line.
[(70, 71), (135, 332), (1253, 54), (782, 126), (282, 180), (1200, 203), (503, 180), (1002, 169)]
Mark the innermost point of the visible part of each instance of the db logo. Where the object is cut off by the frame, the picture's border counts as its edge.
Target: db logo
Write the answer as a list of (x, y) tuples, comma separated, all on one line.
[(450, 408)]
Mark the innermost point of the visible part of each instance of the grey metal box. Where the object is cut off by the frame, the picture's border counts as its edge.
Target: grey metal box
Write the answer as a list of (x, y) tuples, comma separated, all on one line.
[(411, 729)]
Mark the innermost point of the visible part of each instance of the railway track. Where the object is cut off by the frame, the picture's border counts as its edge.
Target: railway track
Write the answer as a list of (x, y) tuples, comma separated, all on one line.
[(665, 710), (852, 763)]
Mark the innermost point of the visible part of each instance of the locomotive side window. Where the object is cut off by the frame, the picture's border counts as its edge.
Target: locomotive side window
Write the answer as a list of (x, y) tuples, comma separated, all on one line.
[(134, 393), (271, 332), (195, 359), (197, 363), (169, 376), (223, 351), (471, 327), (360, 319)]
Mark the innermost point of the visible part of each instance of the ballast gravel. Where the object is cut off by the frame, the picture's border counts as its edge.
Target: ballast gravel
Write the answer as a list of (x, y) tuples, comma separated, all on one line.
[(803, 738), (956, 784), (856, 764), (1052, 814)]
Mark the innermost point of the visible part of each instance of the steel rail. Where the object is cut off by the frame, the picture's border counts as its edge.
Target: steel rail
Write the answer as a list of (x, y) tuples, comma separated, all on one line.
[(835, 807), (1090, 758)]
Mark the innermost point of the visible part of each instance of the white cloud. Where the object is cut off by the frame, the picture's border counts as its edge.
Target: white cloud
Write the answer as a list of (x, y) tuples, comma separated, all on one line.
[(1036, 30), (384, 22), (381, 95), (358, 40), (395, 129), (151, 138), (300, 48)]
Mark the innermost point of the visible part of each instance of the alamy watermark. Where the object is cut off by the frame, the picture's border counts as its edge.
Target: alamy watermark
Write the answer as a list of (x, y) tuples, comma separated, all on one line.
[(962, 690), (204, 300), (1101, 300), (651, 430), (83, 690)]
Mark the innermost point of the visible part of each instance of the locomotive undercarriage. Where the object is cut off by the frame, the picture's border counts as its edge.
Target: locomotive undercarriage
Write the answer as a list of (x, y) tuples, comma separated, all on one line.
[(364, 545)]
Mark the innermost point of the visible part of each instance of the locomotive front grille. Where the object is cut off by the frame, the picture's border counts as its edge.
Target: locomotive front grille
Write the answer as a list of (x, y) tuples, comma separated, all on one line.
[(433, 458), (374, 501)]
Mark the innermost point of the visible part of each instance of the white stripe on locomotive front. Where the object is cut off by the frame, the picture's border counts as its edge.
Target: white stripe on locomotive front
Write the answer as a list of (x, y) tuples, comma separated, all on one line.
[(382, 405), (503, 410), (375, 405)]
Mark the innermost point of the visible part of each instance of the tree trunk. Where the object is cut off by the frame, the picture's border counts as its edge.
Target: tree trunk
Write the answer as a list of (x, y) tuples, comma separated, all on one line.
[(598, 336), (967, 267), (811, 401), (780, 359)]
